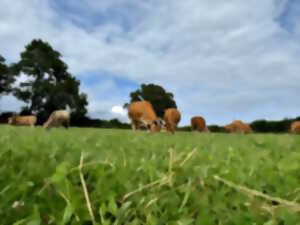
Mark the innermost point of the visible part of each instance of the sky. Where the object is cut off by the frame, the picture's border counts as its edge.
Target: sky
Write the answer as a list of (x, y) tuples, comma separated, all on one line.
[(223, 60)]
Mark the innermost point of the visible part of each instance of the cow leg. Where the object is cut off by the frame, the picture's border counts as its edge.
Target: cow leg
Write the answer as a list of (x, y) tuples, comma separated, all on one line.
[(174, 127), (133, 125), (148, 128), (170, 128), (66, 124)]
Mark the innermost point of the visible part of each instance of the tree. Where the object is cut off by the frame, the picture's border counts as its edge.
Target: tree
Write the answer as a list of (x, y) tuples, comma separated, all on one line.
[(49, 85), (6, 77), (159, 98)]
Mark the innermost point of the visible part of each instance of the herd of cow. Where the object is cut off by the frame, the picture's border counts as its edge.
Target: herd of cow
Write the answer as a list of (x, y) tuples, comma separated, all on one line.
[(56, 119), (142, 115)]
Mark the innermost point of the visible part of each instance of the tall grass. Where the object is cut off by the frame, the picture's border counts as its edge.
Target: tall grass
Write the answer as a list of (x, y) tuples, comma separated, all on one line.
[(144, 178)]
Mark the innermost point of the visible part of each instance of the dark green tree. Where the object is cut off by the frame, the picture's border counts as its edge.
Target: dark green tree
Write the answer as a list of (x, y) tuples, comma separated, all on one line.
[(157, 95), (49, 86), (6, 77)]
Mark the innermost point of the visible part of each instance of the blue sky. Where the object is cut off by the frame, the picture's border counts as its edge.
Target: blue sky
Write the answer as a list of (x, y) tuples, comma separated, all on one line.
[(223, 60)]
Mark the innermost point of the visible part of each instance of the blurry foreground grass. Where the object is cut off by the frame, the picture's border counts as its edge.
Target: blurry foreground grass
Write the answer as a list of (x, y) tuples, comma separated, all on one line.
[(143, 178)]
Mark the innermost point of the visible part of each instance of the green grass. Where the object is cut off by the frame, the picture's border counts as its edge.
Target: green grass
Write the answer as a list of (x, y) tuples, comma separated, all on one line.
[(36, 169)]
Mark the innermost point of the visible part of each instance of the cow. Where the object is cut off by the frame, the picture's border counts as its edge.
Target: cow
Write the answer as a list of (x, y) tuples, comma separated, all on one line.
[(172, 118), (58, 118), (237, 126), (295, 127), (142, 114), (198, 123), (22, 120)]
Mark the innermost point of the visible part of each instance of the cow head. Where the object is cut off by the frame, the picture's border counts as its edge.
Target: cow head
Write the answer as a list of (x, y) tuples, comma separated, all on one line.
[(162, 123), (206, 130), (156, 125), (10, 119), (46, 125)]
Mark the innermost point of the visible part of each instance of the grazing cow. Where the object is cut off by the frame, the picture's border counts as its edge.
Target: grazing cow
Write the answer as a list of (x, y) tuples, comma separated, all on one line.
[(172, 117), (237, 126), (22, 120), (198, 123), (295, 127), (58, 118), (142, 114)]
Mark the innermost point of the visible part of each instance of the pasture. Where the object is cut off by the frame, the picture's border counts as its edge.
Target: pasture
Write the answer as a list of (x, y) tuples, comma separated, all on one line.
[(144, 178)]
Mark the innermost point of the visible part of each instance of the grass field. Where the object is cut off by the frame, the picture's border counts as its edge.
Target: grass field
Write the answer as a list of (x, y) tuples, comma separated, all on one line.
[(143, 178)]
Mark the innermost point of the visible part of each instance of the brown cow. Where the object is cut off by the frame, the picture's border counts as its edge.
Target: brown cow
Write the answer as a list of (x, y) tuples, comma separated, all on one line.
[(198, 123), (295, 127), (22, 120), (58, 118), (172, 117), (237, 126), (142, 114)]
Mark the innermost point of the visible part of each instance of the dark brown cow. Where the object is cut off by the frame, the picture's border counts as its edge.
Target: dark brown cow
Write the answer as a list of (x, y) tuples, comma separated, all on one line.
[(237, 126), (198, 123), (295, 127), (172, 118)]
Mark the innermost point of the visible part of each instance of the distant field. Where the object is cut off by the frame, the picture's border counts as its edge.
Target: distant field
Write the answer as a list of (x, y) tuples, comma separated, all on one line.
[(143, 178)]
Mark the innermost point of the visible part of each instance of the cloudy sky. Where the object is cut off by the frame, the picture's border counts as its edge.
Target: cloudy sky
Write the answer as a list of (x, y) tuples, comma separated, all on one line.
[(222, 59)]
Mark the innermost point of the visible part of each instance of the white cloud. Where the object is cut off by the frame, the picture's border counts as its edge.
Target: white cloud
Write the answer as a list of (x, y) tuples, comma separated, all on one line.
[(118, 110), (229, 58)]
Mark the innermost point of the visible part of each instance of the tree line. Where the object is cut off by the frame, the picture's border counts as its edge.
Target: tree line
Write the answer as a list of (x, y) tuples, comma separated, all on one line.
[(50, 86)]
